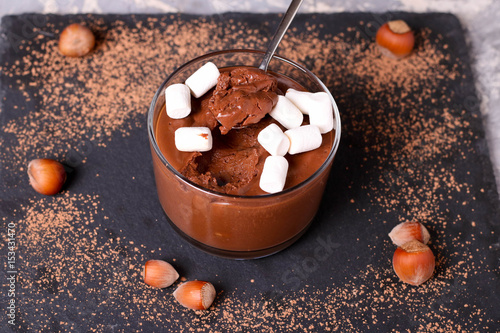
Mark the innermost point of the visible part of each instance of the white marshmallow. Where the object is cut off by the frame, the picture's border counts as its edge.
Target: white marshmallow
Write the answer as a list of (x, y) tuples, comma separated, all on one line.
[(322, 116), (178, 101), (304, 138), (204, 79), (273, 175), (192, 139), (317, 105), (301, 99), (274, 140), (286, 113)]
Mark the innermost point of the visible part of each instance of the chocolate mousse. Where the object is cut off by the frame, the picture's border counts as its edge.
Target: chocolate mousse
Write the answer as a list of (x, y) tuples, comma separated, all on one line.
[(234, 186), (240, 104), (243, 96)]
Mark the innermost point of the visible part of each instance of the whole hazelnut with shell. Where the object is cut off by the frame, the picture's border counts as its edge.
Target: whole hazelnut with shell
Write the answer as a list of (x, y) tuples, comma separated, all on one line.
[(76, 40), (395, 39)]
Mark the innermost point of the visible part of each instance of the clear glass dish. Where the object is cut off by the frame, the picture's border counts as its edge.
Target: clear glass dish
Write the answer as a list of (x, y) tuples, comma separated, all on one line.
[(232, 226)]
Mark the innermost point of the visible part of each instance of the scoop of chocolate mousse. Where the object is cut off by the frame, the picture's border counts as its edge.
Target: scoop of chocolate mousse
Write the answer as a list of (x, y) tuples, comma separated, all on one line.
[(243, 97), (233, 164)]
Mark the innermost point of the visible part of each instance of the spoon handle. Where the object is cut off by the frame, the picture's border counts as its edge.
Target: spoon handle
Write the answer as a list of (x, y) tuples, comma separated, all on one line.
[(282, 28)]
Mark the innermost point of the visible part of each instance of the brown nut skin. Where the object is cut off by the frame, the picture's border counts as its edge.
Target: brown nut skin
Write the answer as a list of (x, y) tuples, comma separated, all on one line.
[(407, 231), (46, 176), (395, 39), (414, 262), (76, 40), (159, 274), (195, 295)]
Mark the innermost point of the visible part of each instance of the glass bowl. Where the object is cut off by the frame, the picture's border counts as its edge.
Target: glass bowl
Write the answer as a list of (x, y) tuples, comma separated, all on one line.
[(233, 226)]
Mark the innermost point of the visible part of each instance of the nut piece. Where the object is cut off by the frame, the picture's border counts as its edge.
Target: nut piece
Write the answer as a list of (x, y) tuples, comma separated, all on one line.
[(407, 231), (195, 295), (414, 262), (399, 26), (76, 40), (395, 39), (46, 176), (159, 274)]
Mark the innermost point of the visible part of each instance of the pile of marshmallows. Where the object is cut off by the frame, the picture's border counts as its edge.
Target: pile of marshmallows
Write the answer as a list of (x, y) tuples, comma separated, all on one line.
[(289, 112)]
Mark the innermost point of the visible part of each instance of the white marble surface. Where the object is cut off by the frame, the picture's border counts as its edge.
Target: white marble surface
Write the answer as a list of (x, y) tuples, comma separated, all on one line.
[(480, 19)]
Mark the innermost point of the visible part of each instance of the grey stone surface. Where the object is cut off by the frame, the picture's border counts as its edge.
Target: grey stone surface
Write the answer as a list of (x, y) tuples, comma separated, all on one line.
[(479, 18)]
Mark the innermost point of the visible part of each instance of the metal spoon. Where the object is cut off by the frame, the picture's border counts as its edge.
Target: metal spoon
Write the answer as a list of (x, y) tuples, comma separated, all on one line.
[(282, 28)]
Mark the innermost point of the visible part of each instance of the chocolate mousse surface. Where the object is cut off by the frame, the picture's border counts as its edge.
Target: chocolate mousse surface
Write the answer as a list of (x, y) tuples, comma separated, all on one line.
[(242, 97), (241, 101)]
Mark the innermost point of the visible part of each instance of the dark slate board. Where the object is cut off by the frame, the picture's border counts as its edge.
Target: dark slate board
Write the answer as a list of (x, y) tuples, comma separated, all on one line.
[(338, 276)]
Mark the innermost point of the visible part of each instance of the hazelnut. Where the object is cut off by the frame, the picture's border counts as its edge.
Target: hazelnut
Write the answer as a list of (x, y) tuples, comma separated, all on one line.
[(407, 231), (76, 40), (159, 274), (195, 295), (46, 176), (414, 262), (395, 39)]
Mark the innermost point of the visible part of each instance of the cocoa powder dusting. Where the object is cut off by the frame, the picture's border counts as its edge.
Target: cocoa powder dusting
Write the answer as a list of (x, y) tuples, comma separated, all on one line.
[(398, 124)]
